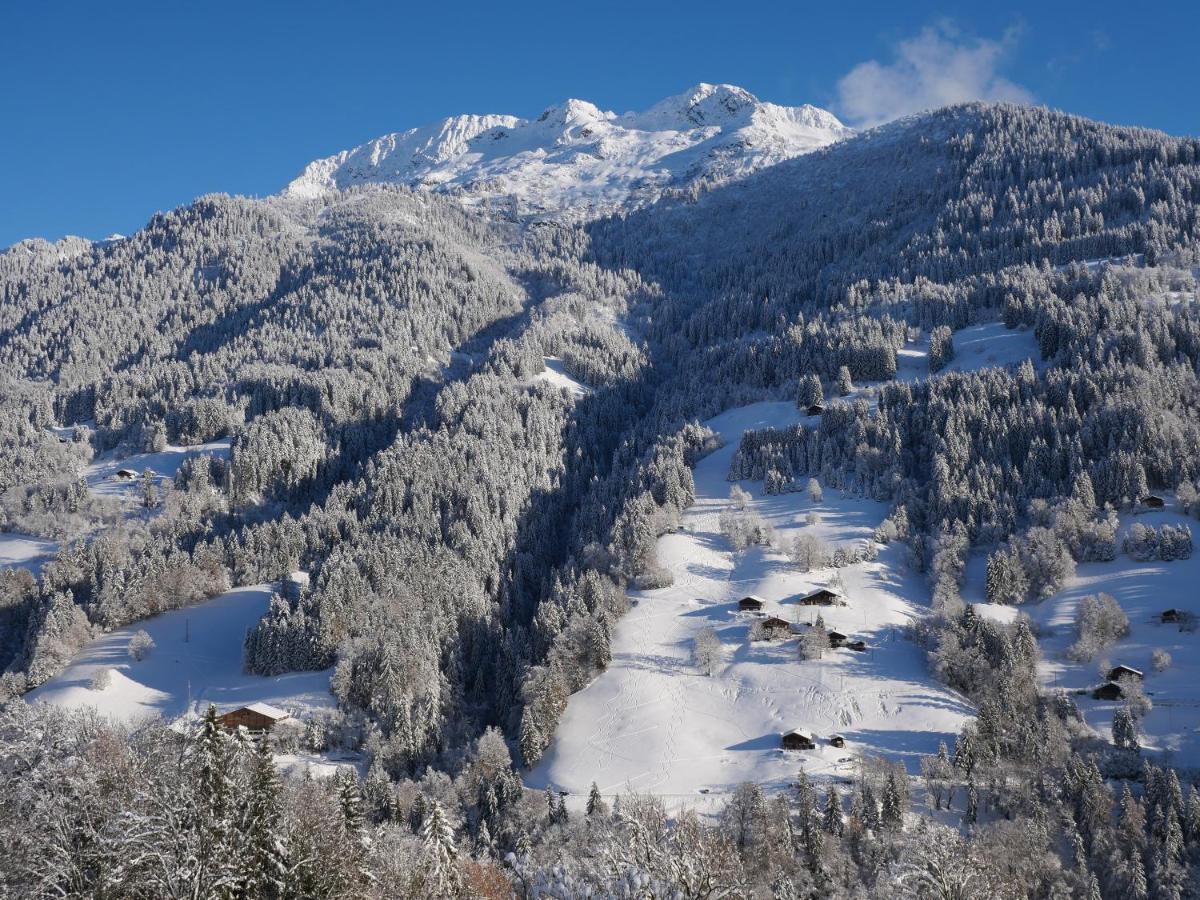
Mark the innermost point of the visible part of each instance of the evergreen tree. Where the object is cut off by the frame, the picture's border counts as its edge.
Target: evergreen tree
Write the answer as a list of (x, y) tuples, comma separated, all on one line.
[(595, 803), (266, 870), (441, 876)]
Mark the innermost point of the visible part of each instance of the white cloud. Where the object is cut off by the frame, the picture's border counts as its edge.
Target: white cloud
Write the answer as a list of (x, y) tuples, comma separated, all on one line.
[(936, 68)]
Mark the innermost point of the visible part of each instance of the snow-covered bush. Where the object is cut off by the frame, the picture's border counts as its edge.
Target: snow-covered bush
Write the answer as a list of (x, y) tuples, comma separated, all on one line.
[(808, 552), (101, 679), (739, 497), (1160, 659), (140, 645), (745, 529)]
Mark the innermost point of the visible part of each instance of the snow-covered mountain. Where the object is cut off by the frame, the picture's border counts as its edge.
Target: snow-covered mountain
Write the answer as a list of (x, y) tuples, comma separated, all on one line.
[(575, 160)]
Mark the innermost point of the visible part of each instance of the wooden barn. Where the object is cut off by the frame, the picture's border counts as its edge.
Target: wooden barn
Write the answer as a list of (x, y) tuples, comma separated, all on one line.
[(820, 597), (837, 741), (797, 740), (1108, 691), (1153, 501), (255, 717), (775, 627), (750, 604), (1118, 672), (126, 474), (1169, 616), (837, 639), (816, 409)]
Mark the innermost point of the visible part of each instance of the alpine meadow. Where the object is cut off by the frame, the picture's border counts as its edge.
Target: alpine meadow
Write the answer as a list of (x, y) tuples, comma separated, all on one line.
[(713, 501)]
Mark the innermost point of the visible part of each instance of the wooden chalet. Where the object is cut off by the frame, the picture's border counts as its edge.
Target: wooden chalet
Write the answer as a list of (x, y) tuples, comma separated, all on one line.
[(797, 740), (816, 409), (1169, 616), (857, 646), (750, 604), (837, 741), (1118, 672), (126, 474), (837, 639), (255, 717), (1108, 691), (775, 627), (820, 597), (1153, 501)]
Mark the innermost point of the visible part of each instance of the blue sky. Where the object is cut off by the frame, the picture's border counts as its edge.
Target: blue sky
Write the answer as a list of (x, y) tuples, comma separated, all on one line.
[(111, 111)]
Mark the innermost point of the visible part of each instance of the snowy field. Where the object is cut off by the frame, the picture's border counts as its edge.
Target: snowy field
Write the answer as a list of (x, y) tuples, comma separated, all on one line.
[(197, 660), (102, 477), (652, 722), (1144, 590), (24, 551), (985, 346), (556, 373)]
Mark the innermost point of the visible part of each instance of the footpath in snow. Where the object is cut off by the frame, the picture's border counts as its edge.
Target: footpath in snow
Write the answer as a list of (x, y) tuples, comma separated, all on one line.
[(654, 723)]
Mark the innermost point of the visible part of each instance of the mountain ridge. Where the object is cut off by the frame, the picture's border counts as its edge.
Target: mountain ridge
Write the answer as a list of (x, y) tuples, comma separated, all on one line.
[(577, 161)]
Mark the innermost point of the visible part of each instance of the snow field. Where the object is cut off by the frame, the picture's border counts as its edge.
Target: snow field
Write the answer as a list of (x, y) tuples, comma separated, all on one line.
[(654, 723)]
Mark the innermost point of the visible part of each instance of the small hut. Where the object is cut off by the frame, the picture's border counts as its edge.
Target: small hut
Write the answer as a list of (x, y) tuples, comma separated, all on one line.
[(857, 646), (820, 597), (1108, 691), (816, 409), (1153, 501), (126, 474), (837, 741), (255, 717), (775, 627), (1171, 616), (1116, 673), (750, 604), (837, 639), (797, 740)]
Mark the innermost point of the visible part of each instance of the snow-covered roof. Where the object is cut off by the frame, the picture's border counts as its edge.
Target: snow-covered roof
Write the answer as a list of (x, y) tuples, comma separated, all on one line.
[(265, 709)]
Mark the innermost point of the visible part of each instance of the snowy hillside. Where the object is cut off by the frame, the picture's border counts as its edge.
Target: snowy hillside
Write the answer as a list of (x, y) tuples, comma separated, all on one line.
[(578, 161), (653, 722), (196, 660)]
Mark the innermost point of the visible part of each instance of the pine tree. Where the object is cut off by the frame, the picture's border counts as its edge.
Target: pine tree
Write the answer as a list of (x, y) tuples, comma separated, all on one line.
[(844, 382), (595, 803), (893, 811), (971, 815), (832, 821), (441, 875), (266, 866)]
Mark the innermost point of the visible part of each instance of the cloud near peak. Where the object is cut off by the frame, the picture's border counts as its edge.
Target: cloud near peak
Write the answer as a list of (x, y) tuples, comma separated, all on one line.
[(935, 68)]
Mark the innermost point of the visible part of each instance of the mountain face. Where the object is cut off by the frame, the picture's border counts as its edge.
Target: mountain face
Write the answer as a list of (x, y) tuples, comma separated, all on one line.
[(576, 161)]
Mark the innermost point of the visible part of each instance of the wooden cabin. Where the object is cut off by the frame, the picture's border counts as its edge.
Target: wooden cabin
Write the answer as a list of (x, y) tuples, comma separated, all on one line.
[(1108, 691), (820, 597), (1118, 672), (837, 639), (750, 604), (126, 474), (1171, 616), (857, 646), (775, 627), (837, 741), (797, 740), (816, 409), (1153, 501), (255, 717)]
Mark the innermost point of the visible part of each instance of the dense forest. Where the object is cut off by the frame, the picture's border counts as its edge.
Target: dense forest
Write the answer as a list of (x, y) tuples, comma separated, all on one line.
[(470, 528)]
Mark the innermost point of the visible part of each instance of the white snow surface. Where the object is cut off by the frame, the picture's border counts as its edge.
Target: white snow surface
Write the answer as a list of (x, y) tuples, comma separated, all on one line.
[(25, 551), (196, 660), (983, 346), (576, 161), (101, 474), (556, 373), (653, 723)]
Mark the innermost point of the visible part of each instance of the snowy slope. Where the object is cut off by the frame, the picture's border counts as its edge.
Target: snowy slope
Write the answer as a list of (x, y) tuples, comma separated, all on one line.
[(1144, 590), (197, 660), (102, 478), (25, 551), (652, 722), (577, 161)]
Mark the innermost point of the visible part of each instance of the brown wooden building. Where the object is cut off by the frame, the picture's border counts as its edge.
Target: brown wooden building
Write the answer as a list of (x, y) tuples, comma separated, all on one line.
[(820, 597), (1118, 672), (1172, 615), (1108, 691), (750, 604), (816, 409), (255, 717), (775, 627), (797, 740), (1153, 502)]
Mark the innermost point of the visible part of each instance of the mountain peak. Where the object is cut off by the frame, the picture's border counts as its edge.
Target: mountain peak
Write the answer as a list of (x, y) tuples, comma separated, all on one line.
[(575, 160)]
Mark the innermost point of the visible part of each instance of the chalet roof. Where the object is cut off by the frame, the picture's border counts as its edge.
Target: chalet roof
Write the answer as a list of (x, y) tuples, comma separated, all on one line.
[(837, 634), (799, 732), (265, 709), (775, 620), (1129, 670), (126, 472)]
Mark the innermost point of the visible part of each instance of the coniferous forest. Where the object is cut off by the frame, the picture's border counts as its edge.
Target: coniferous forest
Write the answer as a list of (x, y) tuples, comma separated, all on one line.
[(471, 530)]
